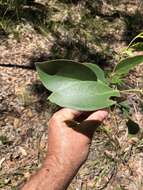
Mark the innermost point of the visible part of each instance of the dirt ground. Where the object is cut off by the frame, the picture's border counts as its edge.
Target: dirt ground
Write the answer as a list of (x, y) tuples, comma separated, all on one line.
[(115, 161)]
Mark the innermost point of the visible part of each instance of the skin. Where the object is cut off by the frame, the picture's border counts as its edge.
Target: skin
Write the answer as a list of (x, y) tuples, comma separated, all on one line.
[(68, 148)]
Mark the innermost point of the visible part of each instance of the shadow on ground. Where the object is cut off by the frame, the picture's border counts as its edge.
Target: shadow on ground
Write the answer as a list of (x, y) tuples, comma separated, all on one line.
[(77, 48), (134, 25), (13, 13)]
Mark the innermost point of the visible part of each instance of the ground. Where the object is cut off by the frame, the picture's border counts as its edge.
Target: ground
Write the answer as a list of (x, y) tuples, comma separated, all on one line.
[(84, 31)]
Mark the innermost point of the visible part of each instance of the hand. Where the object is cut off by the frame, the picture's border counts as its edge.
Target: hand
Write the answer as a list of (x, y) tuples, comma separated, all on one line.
[(68, 148), (69, 142)]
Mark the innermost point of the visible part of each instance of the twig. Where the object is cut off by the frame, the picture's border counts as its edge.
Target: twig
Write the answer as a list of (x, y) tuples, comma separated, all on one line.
[(132, 90), (18, 66)]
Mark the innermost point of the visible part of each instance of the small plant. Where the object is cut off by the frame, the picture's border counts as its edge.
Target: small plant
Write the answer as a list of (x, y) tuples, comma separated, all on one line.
[(83, 86)]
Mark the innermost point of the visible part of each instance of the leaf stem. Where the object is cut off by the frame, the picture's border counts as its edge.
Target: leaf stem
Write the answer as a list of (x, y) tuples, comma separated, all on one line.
[(132, 90)]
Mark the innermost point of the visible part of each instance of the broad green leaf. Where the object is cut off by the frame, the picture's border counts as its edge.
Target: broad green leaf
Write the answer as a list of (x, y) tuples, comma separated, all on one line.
[(60, 73), (98, 71), (125, 65), (85, 95)]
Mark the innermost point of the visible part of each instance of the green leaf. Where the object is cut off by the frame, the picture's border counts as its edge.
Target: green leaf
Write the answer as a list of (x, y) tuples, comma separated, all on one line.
[(85, 95), (125, 65), (98, 71), (139, 36), (59, 73), (116, 79), (137, 46)]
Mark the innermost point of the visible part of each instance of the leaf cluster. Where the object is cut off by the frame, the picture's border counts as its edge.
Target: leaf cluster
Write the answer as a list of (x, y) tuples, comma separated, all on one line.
[(83, 86)]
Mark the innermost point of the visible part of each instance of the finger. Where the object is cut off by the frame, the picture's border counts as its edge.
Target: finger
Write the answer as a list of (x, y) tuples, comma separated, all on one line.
[(67, 114), (89, 125), (99, 116)]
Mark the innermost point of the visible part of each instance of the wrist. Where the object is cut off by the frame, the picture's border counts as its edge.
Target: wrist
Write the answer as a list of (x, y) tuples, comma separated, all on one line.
[(54, 164), (65, 163), (60, 171), (54, 175), (57, 164)]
